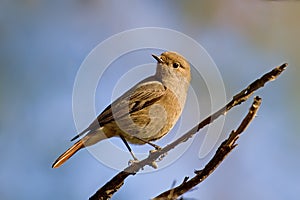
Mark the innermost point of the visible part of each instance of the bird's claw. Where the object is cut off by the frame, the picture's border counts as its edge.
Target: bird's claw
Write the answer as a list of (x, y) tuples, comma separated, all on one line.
[(161, 156), (154, 165)]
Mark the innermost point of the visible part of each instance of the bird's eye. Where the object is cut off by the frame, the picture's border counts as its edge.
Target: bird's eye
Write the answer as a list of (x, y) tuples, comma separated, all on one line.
[(176, 65)]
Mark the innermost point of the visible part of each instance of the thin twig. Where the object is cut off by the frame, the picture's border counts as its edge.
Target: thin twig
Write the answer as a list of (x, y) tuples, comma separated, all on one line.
[(112, 186), (225, 148)]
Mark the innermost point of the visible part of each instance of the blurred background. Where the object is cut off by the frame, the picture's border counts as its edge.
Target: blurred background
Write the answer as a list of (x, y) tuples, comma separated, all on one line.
[(43, 43)]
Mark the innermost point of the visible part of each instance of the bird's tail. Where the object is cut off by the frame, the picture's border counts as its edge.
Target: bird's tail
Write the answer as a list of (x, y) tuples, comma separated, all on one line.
[(66, 155)]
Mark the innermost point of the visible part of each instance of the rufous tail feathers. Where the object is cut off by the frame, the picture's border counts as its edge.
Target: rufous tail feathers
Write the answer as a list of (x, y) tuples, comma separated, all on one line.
[(66, 155)]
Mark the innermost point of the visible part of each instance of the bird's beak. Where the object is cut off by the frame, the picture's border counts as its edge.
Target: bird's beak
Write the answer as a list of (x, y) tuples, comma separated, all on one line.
[(159, 60)]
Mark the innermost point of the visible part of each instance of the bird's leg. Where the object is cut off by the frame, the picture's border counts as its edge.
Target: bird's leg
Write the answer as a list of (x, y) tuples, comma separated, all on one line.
[(147, 142), (128, 147), (153, 164)]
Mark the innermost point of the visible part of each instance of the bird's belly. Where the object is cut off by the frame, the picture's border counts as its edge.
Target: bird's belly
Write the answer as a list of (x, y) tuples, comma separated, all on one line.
[(148, 124)]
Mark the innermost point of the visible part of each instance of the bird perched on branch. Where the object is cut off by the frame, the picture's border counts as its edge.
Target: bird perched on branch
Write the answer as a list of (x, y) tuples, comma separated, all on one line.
[(145, 113)]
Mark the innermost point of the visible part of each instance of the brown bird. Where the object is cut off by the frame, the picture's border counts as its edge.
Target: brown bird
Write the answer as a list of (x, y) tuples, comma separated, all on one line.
[(146, 112)]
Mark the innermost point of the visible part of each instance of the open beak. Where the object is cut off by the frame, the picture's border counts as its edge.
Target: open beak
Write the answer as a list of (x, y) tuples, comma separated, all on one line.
[(159, 60)]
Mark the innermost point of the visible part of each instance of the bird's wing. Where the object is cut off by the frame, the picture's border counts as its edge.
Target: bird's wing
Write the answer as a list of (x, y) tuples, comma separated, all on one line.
[(142, 95)]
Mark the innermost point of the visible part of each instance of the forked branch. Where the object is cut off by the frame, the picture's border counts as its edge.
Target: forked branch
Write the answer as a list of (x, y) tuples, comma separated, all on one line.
[(112, 186), (224, 149)]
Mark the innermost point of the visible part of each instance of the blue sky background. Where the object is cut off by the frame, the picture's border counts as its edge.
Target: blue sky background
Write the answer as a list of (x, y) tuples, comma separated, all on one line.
[(43, 43)]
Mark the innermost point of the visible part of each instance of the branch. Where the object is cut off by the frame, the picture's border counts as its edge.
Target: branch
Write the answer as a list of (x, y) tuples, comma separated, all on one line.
[(225, 148), (112, 186)]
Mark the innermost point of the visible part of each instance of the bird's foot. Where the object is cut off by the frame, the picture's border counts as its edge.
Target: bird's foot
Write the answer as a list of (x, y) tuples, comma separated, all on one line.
[(130, 162), (156, 147), (154, 165), (161, 156)]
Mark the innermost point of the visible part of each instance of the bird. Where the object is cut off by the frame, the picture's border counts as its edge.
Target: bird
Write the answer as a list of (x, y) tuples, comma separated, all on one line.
[(143, 114)]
